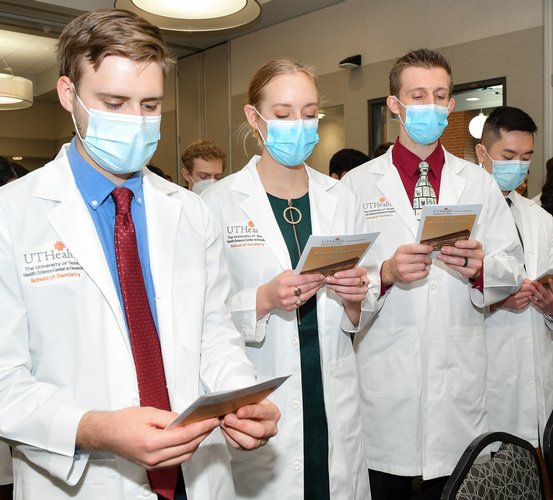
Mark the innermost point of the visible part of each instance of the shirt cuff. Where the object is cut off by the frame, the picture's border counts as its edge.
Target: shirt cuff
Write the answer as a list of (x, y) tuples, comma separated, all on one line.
[(478, 283), (383, 288)]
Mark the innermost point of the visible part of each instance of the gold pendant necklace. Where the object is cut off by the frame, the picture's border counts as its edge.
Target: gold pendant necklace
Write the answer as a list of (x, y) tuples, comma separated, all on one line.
[(288, 214)]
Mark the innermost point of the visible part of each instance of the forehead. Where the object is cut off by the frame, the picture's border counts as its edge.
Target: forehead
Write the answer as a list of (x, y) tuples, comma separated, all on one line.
[(122, 76), (210, 166), (431, 79), (515, 140), (290, 88)]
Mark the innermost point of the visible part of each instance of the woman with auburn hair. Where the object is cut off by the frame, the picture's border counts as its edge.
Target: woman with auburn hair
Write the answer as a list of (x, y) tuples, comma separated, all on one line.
[(295, 324)]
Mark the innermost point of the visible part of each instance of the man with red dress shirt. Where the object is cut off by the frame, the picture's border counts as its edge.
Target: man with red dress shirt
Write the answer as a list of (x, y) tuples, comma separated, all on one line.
[(422, 362)]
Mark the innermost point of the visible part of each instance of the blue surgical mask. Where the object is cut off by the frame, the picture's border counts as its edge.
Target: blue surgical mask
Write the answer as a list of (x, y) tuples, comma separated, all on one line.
[(120, 144), (509, 174), (424, 123), (290, 142)]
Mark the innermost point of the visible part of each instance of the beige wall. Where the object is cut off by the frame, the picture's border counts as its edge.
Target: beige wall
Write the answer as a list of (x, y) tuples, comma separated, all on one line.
[(378, 31), (204, 98)]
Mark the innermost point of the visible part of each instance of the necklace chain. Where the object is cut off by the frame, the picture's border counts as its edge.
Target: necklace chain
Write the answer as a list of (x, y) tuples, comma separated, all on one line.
[(288, 214)]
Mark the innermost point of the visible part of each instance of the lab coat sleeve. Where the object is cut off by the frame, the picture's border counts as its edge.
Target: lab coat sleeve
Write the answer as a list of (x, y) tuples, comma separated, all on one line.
[(39, 414), (504, 258), (372, 303), (244, 315), (224, 364)]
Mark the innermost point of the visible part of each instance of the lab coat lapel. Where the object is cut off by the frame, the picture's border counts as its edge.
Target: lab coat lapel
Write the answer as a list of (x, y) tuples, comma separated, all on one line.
[(163, 214), (529, 232), (257, 207), (391, 187), (322, 204), (452, 183), (72, 222)]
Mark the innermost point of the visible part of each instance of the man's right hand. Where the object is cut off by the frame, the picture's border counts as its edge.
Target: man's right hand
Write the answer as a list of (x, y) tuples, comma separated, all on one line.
[(409, 263), (139, 434)]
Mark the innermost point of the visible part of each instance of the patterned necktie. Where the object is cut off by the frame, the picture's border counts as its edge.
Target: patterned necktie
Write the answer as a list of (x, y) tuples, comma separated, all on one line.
[(424, 192), (142, 330)]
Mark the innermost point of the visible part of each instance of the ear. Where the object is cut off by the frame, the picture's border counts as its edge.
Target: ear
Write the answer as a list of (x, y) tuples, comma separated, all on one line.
[(393, 104), (451, 105), (186, 175), (480, 153), (65, 93), (251, 115), (335, 176)]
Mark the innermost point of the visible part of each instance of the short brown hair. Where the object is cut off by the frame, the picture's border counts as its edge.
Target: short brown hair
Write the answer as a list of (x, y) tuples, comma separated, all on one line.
[(269, 71), (109, 32), (206, 150), (421, 58)]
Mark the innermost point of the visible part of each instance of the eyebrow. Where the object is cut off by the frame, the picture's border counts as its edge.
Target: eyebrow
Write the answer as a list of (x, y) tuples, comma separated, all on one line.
[(507, 150), (126, 98), (426, 89), (286, 105)]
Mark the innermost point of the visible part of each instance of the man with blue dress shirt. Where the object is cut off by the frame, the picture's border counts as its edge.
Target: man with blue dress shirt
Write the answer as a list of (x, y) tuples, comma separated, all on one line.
[(102, 317)]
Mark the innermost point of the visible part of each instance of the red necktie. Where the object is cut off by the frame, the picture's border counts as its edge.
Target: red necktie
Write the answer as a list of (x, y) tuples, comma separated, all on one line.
[(144, 339)]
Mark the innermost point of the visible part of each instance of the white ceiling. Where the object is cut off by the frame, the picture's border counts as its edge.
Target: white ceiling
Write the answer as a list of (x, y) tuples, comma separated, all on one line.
[(29, 29)]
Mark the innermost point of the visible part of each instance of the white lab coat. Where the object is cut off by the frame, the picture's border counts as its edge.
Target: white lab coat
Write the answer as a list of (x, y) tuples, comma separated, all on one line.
[(256, 252), (422, 364), (520, 343), (64, 346)]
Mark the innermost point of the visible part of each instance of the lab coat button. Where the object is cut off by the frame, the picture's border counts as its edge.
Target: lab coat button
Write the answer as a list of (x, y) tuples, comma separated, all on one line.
[(295, 404), (145, 490), (297, 465), (294, 341), (433, 286), (531, 383), (530, 340)]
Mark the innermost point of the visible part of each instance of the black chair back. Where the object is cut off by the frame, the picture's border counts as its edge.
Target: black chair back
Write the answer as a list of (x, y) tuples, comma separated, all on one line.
[(512, 472)]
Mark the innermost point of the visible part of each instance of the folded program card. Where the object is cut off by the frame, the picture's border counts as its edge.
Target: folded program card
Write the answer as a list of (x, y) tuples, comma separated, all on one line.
[(218, 404), (545, 277), (443, 225), (330, 254)]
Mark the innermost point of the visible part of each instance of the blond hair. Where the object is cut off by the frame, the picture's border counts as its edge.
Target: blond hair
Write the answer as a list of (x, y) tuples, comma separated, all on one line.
[(109, 32)]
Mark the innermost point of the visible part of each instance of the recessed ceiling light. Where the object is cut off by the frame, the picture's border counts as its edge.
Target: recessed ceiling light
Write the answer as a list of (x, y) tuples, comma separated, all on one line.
[(17, 158), (472, 99)]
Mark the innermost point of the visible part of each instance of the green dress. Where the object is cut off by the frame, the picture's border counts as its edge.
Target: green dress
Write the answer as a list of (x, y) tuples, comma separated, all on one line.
[(315, 429)]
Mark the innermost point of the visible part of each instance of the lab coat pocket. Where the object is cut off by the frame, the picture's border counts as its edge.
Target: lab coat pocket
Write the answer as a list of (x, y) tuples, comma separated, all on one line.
[(100, 480), (389, 363), (466, 363)]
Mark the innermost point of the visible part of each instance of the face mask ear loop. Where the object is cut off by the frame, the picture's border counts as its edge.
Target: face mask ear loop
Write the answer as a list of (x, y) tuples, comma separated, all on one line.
[(73, 116), (399, 114), (257, 128)]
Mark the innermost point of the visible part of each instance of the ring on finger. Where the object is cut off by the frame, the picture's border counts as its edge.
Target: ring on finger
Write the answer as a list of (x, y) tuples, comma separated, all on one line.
[(361, 283), (299, 302), (297, 291), (466, 263)]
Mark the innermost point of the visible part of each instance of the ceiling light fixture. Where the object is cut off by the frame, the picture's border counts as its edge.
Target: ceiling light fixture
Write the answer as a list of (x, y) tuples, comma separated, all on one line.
[(191, 15), (476, 125), (472, 99), (16, 92)]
